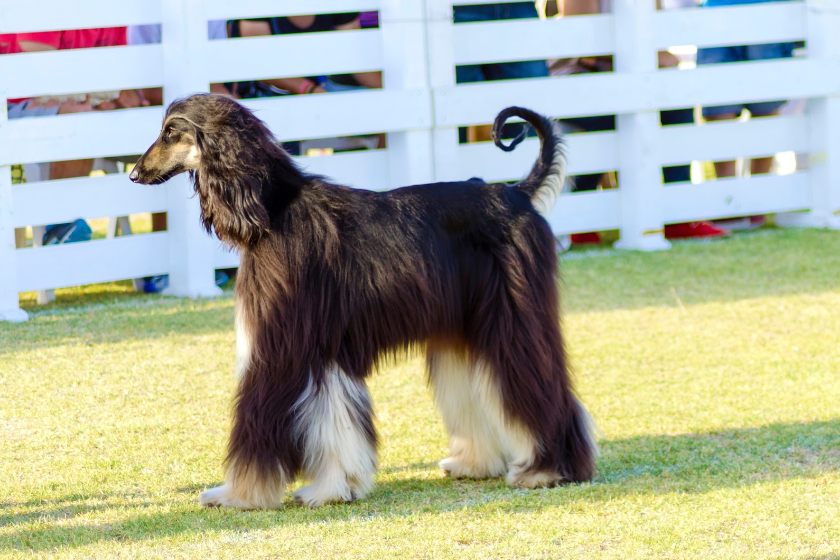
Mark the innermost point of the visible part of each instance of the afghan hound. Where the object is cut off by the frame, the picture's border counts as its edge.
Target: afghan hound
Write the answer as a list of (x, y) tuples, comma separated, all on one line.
[(332, 279)]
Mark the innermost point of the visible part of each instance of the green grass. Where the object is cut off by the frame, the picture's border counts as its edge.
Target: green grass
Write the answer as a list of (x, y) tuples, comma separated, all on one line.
[(713, 371)]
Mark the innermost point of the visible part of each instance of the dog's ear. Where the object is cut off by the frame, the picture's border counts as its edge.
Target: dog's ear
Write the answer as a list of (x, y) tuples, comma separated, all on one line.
[(232, 205), (241, 174), (230, 197)]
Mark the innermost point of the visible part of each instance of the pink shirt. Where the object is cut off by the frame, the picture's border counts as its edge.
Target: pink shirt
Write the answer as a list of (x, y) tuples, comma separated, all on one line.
[(78, 38), (8, 43)]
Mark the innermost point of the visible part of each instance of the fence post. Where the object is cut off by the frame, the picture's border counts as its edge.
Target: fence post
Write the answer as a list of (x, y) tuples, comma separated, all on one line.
[(405, 67), (9, 303), (823, 41), (191, 249), (639, 166), (439, 28)]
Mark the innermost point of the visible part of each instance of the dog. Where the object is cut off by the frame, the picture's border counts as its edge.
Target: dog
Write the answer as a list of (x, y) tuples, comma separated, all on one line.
[(333, 279)]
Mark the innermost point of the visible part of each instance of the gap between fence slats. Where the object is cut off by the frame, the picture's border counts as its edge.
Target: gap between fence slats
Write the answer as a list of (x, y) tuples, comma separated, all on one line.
[(243, 9)]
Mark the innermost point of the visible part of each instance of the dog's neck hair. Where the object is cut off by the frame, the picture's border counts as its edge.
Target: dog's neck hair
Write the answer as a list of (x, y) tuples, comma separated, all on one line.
[(244, 181)]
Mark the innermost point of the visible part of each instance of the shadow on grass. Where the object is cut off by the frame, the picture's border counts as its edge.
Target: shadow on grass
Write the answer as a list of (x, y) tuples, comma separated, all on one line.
[(691, 463)]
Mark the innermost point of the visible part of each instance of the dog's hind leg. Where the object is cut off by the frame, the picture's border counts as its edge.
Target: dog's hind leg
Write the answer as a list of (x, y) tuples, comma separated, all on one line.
[(516, 336), (467, 404), (547, 432), (339, 440)]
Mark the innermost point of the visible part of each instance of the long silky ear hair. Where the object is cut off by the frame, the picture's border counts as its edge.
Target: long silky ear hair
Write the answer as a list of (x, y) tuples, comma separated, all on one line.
[(232, 173)]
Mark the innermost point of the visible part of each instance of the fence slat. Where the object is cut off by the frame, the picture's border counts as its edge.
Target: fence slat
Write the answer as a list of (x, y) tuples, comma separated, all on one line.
[(823, 19), (726, 140), (185, 67), (590, 211), (615, 93), (728, 198), (586, 153), (642, 226), (51, 202), (104, 260), (754, 81), (477, 43), (257, 58), (344, 114), (82, 135), (103, 69), (362, 170), (406, 67), (730, 25), (54, 15), (225, 257), (9, 302)]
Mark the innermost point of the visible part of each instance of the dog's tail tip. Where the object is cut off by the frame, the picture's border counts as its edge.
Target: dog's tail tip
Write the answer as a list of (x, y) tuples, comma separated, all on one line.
[(501, 119), (544, 183)]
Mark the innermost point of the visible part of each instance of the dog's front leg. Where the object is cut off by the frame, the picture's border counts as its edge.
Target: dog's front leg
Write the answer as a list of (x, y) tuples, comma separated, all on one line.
[(263, 453), (339, 440)]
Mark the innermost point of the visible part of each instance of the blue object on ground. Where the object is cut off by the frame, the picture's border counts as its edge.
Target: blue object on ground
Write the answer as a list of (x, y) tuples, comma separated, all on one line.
[(156, 284), (72, 232)]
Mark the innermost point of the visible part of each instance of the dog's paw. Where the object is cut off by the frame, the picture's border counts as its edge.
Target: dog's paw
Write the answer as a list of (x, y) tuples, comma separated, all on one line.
[(215, 497), (529, 479), (454, 467), (222, 496), (316, 496)]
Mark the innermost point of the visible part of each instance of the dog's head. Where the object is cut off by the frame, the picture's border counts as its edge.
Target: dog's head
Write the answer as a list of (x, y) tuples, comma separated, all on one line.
[(238, 168), (187, 124)]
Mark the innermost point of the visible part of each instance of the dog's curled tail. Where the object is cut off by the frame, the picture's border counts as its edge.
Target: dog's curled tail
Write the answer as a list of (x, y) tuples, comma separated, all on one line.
[(544, 183)]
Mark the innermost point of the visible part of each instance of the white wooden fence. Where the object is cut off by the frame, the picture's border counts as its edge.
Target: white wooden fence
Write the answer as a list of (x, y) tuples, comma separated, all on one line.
[(417, 47)]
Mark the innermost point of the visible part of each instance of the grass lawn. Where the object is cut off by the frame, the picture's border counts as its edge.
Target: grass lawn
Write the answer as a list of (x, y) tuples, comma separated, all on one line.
[(712, 370)]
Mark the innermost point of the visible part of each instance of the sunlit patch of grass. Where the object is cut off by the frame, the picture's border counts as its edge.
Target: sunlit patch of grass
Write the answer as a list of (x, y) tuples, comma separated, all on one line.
[(711, 369)]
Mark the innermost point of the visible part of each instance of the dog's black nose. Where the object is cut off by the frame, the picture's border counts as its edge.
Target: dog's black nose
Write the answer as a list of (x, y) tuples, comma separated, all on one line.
[(134, 176)]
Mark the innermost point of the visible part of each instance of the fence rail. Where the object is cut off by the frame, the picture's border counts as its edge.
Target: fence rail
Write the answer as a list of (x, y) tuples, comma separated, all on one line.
[(417, 47)]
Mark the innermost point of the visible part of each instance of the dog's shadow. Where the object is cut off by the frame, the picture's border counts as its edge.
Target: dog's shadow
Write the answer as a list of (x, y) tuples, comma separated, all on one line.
[(660, 464)]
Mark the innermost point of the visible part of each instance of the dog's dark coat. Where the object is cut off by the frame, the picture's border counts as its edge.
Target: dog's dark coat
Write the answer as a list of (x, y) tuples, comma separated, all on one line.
[(333, 275)]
